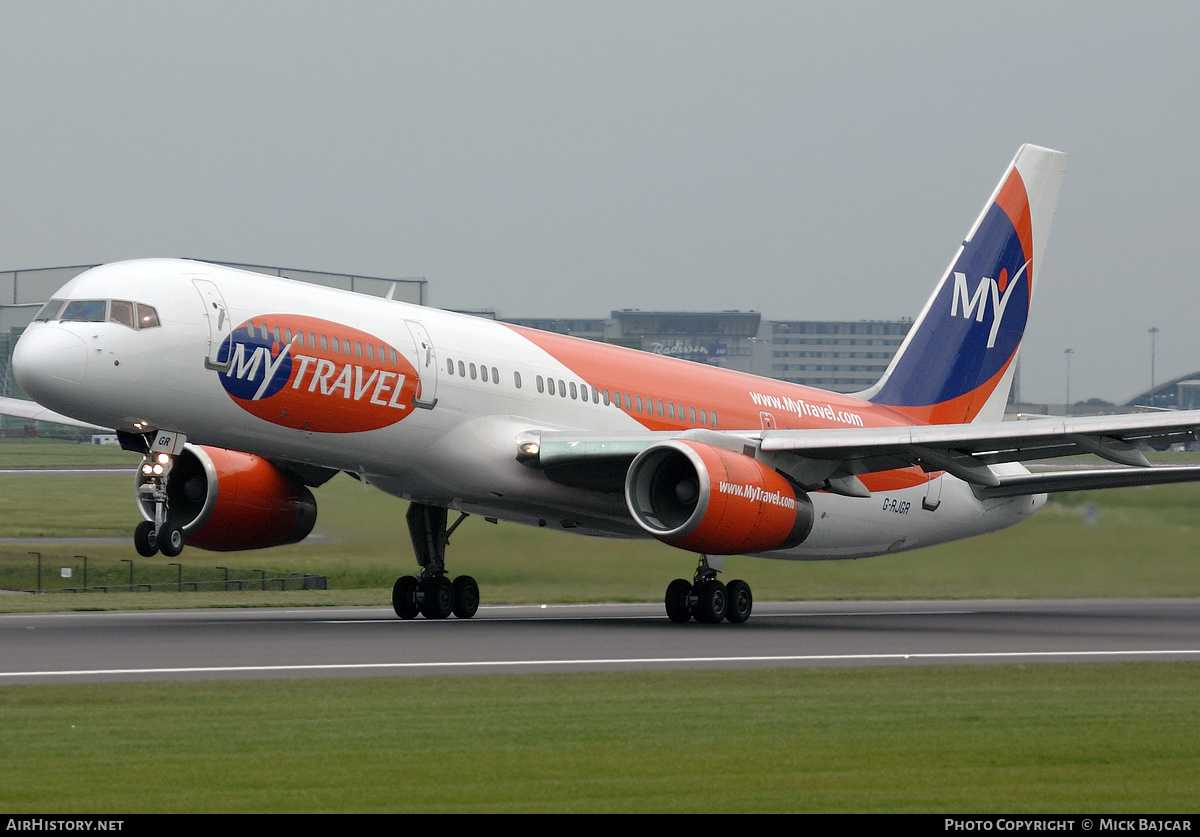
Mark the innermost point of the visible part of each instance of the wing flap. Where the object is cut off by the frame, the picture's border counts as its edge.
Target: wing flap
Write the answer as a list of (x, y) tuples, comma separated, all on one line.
[(966, 450), (1053, 481)]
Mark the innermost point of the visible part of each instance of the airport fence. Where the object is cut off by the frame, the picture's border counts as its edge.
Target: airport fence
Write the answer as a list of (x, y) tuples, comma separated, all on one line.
[(33, 572)]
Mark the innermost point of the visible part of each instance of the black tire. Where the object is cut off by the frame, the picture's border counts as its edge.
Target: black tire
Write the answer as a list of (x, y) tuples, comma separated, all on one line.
[(404, 597), (712, 602), (438, 602), (145, 539), (466, 597), (677, 601), (741, 601), (170, 540)]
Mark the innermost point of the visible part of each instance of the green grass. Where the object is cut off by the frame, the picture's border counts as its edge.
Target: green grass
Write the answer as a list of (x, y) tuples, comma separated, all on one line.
[(1014, 739), (1116, 738), (55, 453), (1143, 542)]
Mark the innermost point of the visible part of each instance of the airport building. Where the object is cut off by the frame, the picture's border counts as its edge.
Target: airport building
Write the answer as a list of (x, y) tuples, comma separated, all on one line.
[(838, 356), (1182, 393), (721, 338)]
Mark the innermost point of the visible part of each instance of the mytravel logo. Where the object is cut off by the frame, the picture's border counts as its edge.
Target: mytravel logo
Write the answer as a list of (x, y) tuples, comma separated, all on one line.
[(312, 374), (976, 305)]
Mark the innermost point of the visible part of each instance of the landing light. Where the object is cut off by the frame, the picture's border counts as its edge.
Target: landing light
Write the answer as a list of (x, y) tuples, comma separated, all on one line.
[(530, 448), (163, 458)]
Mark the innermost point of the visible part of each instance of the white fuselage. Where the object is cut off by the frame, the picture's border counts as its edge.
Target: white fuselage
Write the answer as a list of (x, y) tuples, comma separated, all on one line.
[(472, 388)]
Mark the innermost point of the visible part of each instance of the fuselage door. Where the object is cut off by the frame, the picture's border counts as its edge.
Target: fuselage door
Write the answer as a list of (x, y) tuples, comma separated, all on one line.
[(219, 326), (426, 364)]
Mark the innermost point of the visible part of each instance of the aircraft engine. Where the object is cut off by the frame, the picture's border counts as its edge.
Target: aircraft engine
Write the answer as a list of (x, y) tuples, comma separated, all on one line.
[(714, 501), (226, 501)]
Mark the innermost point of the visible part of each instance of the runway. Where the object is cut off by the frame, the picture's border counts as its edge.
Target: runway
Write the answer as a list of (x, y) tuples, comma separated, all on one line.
[(357, 642)]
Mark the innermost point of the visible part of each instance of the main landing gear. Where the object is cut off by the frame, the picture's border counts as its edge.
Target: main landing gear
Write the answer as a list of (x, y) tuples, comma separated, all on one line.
[(708, 600), (433, 595), (159, 535)]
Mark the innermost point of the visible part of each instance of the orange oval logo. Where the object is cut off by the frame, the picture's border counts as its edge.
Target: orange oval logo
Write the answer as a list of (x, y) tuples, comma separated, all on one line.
[(311, 374)]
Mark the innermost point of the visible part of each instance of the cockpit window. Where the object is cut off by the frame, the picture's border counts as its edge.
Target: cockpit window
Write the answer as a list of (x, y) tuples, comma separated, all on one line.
[(84, 311), (147, 317), (49, 311), (135, 315), (121, 311)]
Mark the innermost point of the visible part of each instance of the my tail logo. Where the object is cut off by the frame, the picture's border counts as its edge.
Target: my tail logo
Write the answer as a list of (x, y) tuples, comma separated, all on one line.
[(976, 303)]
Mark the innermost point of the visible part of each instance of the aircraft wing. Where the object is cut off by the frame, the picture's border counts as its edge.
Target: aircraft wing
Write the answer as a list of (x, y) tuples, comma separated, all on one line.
[(36, 412), (833, 459)]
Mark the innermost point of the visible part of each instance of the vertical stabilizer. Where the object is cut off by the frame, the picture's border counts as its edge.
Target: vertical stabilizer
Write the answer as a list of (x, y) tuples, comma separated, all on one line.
[(957, 363)]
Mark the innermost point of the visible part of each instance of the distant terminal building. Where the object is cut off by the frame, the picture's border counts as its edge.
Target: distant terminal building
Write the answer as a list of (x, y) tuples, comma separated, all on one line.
[(1182, 393), (838, 356), (720, 338)]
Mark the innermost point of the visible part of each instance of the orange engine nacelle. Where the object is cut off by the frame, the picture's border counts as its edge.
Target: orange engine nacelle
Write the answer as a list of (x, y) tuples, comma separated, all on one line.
[(714, 501), (226, 500)]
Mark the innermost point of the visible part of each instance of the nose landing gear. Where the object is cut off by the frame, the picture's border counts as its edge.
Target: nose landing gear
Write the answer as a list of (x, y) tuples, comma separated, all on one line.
[(159, 535)]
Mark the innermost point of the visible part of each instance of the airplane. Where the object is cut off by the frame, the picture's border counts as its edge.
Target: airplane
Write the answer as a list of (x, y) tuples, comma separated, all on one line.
[(245, 391)]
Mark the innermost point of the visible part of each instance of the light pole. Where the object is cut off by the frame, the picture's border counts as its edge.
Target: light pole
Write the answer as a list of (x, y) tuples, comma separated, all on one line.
[(1068, 353), (1153, 341)]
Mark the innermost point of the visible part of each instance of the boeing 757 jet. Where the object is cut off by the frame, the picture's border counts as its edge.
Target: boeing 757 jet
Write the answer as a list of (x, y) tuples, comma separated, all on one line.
[(245, 391)]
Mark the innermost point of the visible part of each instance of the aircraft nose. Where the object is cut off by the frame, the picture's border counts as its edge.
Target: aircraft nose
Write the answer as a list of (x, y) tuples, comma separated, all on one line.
[(49, 364)]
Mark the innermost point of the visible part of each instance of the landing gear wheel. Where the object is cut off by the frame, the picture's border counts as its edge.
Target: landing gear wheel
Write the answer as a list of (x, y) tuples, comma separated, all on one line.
[(404, 597), (170, 540), (439, 598), (741, 601), (145, 539), (712, 602), (466, 597), (678, 592)]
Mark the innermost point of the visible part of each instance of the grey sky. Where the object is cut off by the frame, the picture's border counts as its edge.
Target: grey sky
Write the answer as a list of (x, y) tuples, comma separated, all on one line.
[(807, 160)]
